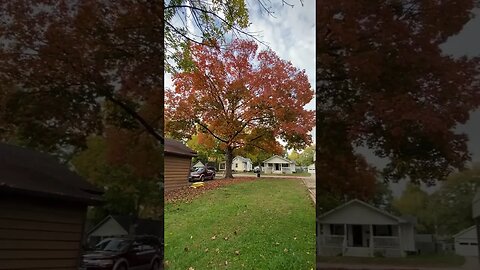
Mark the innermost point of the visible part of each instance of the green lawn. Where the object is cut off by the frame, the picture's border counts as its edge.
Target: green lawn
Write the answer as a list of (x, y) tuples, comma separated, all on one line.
[(293, 174), (264, 224), (438, 260)]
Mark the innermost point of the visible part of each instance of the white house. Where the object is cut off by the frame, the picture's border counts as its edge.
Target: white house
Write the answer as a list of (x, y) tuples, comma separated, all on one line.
[(466, 243), (199, 164), (311, 168), (239, 164), (359, 229), (278, 164)]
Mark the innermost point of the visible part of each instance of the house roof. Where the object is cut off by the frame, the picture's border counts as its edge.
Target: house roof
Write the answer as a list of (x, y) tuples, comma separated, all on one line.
[(198, 164), (243, 159), (32, 173), (277, 156), (174, 147), (145, 226), (362, 203), (464, 231)]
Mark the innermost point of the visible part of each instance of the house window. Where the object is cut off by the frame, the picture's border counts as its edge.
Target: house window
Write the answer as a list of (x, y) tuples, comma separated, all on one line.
[(222, 166), (382, 230), (284, 165), (337, 229), (236, 165), (463, 244)]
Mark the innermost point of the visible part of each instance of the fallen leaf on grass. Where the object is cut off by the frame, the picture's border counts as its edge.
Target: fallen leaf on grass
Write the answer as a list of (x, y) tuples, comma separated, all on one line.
[(226, 262), (237, 252), (191, 268), (217, 250), (285, 250), (226, 238), (186, 194), (206, 250), (213, 237)]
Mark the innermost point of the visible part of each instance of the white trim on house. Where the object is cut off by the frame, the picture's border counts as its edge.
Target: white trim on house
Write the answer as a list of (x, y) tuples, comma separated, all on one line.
[(359, 229), (278, 164)]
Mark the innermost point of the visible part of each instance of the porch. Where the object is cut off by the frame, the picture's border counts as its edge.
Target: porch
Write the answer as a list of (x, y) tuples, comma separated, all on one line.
[(277, 168), (360, 240)]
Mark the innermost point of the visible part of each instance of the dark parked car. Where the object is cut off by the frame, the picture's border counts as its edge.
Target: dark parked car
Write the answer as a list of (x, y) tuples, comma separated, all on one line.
[(201, 174), (140, 252)]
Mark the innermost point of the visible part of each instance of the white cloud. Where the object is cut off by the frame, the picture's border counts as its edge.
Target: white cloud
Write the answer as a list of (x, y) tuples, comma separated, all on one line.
[(290, 33)]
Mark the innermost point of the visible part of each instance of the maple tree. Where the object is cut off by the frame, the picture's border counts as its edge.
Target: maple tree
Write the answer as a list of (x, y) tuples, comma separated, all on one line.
[(65, 61), (384, 83), (240, 97)]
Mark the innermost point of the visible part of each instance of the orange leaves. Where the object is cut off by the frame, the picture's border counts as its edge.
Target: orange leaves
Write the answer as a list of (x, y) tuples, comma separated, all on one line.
[(237, 90)]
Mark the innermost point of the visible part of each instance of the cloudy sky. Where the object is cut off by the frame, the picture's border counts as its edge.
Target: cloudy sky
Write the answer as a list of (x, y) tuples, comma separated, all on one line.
[(290, 32), (466, 43)]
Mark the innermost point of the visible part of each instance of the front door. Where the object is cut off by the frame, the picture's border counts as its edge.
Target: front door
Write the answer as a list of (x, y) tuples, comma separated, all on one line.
[(277, 167), (357, 235)]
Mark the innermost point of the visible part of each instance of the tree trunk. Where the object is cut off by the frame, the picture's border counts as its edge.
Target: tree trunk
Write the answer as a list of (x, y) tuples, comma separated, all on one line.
[(228, 162)]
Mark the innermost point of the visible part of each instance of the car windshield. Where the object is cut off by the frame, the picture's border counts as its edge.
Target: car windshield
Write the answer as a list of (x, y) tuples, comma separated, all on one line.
[(114, 245), (199, 170)]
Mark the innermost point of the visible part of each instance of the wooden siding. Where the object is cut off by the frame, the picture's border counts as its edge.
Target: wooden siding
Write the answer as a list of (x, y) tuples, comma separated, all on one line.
[(177, 170), (39, 234)]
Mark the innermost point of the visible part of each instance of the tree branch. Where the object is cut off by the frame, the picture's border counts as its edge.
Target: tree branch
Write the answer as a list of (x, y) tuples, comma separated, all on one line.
[(211, 132), (137, 117)]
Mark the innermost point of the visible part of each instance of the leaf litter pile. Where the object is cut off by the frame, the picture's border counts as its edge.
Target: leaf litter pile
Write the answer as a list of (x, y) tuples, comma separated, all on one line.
[(186, 194)]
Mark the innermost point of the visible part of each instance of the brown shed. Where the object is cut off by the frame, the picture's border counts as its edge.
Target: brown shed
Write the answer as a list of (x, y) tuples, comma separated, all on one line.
[(178, 161), (42, 211)]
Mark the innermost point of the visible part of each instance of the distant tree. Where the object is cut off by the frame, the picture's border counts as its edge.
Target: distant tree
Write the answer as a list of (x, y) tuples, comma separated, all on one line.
[(206, 147), (451, 205), (414, 202), (384, 83), (240, 97), (130, 180)]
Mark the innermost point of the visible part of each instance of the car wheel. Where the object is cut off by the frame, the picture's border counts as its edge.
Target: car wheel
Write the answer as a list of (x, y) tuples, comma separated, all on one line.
[(156, 265), (122, 267), (202, 178)]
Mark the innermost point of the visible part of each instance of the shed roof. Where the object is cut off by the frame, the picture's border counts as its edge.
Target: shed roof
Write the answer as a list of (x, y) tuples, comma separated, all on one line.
[(25, 171), (174, 147)]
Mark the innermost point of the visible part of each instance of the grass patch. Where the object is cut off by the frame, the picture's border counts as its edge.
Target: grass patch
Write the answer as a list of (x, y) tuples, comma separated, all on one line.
[(433, 260), (293, 174), (265, 224)]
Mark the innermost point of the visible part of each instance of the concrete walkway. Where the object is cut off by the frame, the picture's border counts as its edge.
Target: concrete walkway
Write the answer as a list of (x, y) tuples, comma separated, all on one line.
[(310, 184), (471, 263)]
